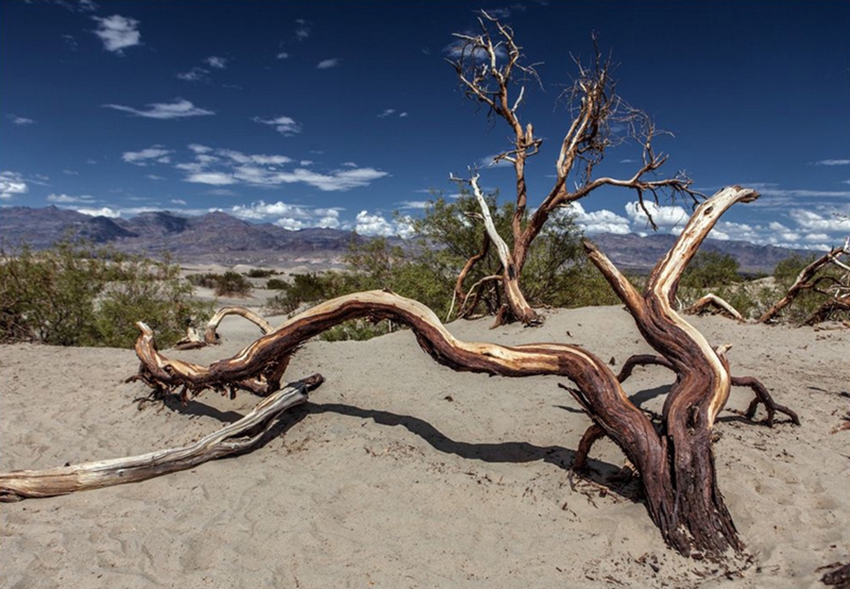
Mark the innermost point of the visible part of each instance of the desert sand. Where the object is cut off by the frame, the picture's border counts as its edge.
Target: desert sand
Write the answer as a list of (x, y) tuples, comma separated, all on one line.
[(401, 473)]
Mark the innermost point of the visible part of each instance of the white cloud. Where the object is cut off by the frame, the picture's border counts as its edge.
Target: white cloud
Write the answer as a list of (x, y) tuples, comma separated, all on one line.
[(77, 5), (602, 221), (373, 225), (241, 158), (216, 62), (489, 161), (414, 204), (664, 216), (197, 148), (460, 49), (117, 32), (390, 112), (155, 154), (812, 221), (283, 125), (328, 63), (165, 110), (214, 178), (20, 120), (12, 183), (283, 55), (178, 201), (196, 74), (288, 216), (101, 212), (154, 177), (66, 198), (833, 163), (303, 30), (228, 166), (70, 172)]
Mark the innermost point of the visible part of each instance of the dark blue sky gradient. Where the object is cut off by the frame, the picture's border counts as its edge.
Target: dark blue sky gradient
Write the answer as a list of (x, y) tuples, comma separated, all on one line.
[(756, 93)]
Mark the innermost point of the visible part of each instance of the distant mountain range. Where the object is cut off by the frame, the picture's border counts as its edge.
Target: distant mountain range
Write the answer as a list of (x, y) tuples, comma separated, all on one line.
[(220, 238)]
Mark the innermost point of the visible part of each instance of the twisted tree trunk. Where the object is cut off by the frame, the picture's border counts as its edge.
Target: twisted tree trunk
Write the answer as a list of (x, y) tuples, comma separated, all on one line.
[(676, 464)]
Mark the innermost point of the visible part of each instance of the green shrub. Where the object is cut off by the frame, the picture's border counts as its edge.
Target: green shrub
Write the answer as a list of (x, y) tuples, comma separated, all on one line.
[(260, 273), (425, 268), (710, 270), (229, 284), (276, 284), (75, 295), (232, 284)]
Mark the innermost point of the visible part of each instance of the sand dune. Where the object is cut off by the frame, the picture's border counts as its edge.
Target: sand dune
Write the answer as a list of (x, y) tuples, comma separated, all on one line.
[(401, 473)]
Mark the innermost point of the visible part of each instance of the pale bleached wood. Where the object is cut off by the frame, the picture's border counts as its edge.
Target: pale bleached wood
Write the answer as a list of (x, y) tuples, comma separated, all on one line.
[(210, 335), (712, 299), (238, 437)]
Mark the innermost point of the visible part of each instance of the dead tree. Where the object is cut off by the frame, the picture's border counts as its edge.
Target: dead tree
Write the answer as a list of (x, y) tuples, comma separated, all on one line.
[(490, 66), (811, 278), (675, 461)]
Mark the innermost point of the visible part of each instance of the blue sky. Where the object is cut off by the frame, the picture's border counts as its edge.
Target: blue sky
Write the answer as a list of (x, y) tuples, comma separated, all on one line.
[(337, 114)]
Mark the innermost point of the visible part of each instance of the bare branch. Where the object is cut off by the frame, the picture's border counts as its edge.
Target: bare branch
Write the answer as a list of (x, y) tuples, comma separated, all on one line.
[(806, 279)]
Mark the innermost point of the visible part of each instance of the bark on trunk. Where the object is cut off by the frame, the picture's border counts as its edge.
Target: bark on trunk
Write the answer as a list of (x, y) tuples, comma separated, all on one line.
[(517, 308)]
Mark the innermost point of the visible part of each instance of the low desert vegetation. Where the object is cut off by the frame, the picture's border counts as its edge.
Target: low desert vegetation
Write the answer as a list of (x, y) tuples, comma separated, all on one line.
[(426, 268), (719, 274), (228, 284), (260, 273), (77, 295)]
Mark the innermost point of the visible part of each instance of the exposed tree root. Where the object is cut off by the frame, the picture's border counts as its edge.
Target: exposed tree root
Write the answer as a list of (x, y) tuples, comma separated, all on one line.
[(762, 396), (839, 577)]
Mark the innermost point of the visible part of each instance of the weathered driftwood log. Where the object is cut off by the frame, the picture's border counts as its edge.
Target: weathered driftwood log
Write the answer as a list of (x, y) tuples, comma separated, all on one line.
[(597, 389), (712, 300), (166, 376), (193, 340), (242, 436)]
